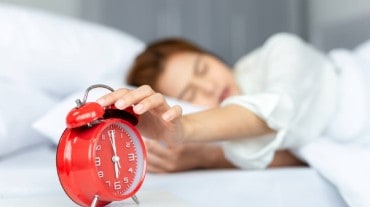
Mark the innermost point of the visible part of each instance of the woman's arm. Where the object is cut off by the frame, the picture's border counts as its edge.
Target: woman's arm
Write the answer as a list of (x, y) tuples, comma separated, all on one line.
[(229, 122), (283, 158), (184, 157), (160, 121)]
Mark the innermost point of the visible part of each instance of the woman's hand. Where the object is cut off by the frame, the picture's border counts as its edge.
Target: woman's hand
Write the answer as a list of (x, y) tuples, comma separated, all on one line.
[(157, 119), (165, 159)]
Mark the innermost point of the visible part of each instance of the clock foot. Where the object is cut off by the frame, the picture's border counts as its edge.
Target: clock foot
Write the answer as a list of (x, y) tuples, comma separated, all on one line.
[(95, 201), (136, 200)]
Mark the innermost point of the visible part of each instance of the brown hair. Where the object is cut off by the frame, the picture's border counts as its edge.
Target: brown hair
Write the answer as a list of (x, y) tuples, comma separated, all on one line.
[(149, 64)]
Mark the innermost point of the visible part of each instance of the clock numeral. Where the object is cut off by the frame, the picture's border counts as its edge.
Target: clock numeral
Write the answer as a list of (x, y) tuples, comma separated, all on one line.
[(125, 180), (130, 170), (97, 161), (98, 147), (101, 174), (107, 182), (131, 157), (117, 185), (128, 144), (102, 137), (111, 133)]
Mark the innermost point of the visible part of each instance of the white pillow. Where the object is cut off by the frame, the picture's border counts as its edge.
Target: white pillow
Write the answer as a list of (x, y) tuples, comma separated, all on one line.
[(20, 105), (59, 54), (351, 116), (45, 57), (52, 124)]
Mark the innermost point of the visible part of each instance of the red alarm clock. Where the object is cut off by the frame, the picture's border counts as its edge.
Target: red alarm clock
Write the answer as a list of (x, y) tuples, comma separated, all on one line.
[(101, 156)]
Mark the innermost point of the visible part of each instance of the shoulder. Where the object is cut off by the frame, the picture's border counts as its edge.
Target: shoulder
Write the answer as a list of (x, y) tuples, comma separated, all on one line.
[(283, 38), (285, 42), (280, 48), (284, 46), (277, 43)]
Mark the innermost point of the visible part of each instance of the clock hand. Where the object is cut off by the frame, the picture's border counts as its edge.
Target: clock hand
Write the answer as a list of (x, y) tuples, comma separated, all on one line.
[(116, 160), (116, 170), (118, 164), (113, 142), (115, 157)]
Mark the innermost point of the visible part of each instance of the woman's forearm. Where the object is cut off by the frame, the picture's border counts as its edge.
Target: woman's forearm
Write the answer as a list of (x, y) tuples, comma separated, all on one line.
[(224, 123), (284, 158), (214, 158)]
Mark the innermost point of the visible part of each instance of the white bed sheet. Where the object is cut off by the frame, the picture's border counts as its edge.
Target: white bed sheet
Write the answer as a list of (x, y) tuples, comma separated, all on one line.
[(30, 179)]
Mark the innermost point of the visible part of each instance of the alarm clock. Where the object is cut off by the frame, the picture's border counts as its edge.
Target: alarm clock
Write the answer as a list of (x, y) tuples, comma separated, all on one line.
[(101, 156)]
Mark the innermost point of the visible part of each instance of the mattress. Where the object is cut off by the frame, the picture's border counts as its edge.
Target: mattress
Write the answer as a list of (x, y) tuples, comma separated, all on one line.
[(30, 178)]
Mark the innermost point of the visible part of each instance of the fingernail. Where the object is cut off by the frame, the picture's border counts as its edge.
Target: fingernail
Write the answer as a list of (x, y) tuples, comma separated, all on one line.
[(120, 104), (139, 108), (100, 101), (166, 117)]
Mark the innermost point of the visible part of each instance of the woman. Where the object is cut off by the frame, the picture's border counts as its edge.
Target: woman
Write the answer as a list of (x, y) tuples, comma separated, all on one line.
[(280, 96)]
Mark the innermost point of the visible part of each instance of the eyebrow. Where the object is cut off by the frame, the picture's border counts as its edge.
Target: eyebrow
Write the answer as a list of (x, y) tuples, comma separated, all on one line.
[(195, 67)]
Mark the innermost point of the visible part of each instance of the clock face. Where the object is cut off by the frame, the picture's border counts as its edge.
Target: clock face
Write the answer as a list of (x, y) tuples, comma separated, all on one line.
[(119, 159)]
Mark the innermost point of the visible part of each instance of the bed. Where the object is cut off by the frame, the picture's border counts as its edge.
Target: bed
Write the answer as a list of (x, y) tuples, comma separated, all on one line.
[(27, 143), (30, 178)]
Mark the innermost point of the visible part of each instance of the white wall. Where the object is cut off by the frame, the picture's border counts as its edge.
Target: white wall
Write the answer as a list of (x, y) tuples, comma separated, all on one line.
[(324, 13), (328, 11), (67, 7), (319, 13)]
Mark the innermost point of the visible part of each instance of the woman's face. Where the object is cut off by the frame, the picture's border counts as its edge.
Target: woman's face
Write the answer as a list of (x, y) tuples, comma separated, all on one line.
[(197, 78)]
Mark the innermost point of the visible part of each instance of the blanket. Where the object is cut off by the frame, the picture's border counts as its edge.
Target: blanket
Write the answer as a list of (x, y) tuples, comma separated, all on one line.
[(342, 154)]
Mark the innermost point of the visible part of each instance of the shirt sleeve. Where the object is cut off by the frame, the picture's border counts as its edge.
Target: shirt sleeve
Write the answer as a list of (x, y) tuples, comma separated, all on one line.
[(280, 82)]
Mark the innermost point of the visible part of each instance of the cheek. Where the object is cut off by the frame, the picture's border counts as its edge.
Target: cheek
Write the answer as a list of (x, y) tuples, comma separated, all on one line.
[(208, 102), (224, 73)]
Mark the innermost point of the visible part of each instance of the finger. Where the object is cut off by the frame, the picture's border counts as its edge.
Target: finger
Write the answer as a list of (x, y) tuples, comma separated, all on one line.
[(156, 101), (154, 169), (173, 113), (113, 97), (159, 157), (123, 97), (156, 163), (134, 97), (158, 148)]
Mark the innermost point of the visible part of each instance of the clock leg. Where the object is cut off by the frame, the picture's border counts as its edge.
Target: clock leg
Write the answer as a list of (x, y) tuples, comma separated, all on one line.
[(135, 199), (95, 201)]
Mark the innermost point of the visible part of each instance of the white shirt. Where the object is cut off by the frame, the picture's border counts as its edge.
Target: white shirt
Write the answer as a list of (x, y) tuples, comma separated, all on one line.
[(291, 86)]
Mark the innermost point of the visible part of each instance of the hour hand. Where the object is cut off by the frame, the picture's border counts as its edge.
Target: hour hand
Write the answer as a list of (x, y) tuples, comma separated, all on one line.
[(116, 170), (115, 158)]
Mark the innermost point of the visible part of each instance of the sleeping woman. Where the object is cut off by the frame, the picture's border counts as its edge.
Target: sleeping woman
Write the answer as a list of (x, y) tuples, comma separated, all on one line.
[(280, 96)]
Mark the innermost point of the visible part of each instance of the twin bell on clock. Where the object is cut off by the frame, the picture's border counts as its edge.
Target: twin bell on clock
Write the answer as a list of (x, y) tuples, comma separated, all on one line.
[(101, 156)]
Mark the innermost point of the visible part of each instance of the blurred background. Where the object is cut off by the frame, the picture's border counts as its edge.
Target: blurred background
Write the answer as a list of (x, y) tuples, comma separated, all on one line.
[(230, 28)]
